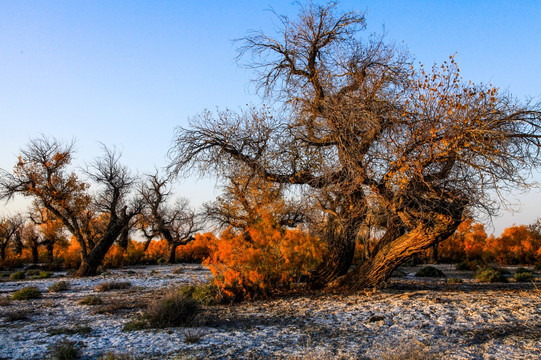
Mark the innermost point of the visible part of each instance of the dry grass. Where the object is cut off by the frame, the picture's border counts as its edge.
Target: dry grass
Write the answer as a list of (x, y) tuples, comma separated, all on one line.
[(113, 285), (174, 309), (59, 286), (406, 349), (17, 315), (91, 300)]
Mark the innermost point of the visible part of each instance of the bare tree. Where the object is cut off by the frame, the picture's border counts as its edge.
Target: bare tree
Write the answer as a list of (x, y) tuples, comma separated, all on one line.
[(176, 222), (9, 226), (42, 173), (360, 130)]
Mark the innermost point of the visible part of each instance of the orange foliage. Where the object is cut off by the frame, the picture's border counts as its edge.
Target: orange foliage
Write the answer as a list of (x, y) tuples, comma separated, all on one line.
[(158, 249), (268, 259), (516, 245), (197, 250)]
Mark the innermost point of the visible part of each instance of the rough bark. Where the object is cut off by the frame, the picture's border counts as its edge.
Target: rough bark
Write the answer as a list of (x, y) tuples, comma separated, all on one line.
[(89, 265), (337, 262), (35, 254), (375, 271), (172, 254), (50, 252)]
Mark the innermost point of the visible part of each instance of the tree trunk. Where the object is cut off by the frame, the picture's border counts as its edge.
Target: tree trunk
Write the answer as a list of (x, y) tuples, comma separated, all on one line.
[(50, 252), (35, 254), (341, 242), (89, 265), (3, 253), (375, 271), (172, 253), (123, 239), (434, 253)]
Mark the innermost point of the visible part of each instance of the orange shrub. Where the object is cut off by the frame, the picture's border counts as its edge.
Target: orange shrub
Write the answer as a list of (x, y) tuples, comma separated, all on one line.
[(267, 260), (197, 250), (158, 249), (72, 254)]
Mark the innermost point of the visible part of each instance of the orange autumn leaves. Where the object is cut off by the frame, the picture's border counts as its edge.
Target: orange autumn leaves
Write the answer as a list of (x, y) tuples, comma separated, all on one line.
[(518, 244), (264, 259)]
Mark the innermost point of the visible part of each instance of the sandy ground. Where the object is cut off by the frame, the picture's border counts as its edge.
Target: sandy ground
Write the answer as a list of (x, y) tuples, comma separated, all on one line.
[(411, 318)]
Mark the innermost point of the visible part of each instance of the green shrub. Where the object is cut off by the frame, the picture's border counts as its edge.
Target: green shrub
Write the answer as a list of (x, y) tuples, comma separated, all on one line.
[(463, 266), (135, 325), (430, 271), (490, 275), (537, 266), (18, 275), (64, 350), (59, 286), (454, 281), (91, 300), (113, 356), (523, 276), (113, 285), (27, 293), (42, 275), (174, 309), (79, 329), (205, 294), (522, 270)]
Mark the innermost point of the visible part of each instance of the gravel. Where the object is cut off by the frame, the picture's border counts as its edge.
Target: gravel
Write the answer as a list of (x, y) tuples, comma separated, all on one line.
[(423, 317)]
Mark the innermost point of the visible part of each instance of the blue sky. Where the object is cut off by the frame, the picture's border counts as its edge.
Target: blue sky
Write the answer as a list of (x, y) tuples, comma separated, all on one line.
[(127, 73)]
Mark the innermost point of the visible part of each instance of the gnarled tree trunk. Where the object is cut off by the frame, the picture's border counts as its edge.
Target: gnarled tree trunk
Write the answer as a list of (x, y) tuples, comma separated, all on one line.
[(172, 253), (376, 270), (90, 263)]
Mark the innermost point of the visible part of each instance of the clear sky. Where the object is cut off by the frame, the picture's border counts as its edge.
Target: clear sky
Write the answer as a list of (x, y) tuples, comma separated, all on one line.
[(126, 73)]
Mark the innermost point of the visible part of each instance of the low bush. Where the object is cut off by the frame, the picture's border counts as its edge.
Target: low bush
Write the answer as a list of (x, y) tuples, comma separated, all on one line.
[(178, 270), (454, 281), (18, 275), (522, 270), (64, 350), (27, 293), (91, 300), (17, 315), (113, 285), (523, 276), (175, 309), (430, 271), (462, 266), (193, 336), (59, 286), (265, 260), (135, 325), (205, 294), (79, 329), (42, 275), (5, 301), (114, 356), (490, 275)]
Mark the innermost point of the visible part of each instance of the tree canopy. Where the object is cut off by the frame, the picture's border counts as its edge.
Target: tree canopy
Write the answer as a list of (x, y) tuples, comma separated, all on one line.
[(366, 134)]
